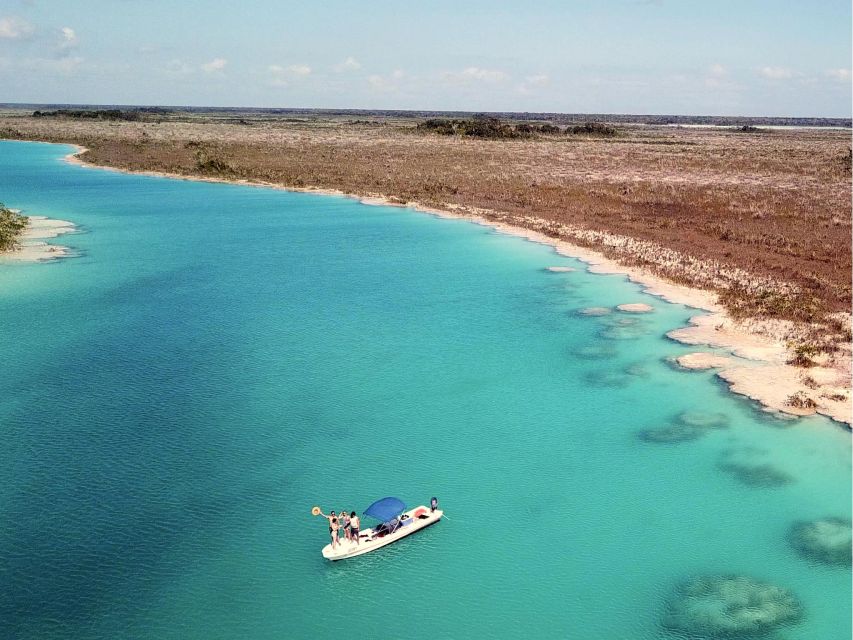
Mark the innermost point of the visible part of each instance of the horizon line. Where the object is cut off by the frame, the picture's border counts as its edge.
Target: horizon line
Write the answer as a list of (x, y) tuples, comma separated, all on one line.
[(345, 110)]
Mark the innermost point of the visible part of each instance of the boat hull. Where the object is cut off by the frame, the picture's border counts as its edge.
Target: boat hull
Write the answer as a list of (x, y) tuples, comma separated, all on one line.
[(370, 541)]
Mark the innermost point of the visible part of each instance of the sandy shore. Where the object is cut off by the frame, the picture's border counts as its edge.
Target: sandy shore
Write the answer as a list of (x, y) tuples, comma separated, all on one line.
[(760, 370), (33, 247)]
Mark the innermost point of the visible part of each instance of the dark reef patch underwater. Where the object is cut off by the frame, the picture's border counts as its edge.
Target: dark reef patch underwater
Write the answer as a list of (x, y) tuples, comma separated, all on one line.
[(686, 426), (730, 607), (827, 540)]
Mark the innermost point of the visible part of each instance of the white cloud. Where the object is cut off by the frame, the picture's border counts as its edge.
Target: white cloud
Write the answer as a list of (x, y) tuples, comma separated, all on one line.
[(12, 28), (66, 47), (839, 74), (350, 64), (475, 74), (716, 71), (300, 70), (776, 73), (68, 39), (215, 65)]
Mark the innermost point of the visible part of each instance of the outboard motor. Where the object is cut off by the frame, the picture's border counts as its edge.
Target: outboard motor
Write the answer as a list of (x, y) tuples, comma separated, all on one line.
[(433, 504)]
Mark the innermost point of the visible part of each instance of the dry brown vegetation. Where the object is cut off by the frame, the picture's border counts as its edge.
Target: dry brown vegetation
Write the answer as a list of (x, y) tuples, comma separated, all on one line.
[(762, 216)]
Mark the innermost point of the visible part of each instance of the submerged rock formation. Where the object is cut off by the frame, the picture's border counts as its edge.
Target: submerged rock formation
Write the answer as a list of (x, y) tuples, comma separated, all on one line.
[(638, 370), (594, 311), (622, 328), (689, 425), (749, 466), (827, 540), (760, 475), (730, 607), (704, 419), (595, 352), (623, 332), (608, 378)]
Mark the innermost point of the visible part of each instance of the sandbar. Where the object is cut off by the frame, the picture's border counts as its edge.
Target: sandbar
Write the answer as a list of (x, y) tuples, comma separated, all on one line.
[(32, 245)]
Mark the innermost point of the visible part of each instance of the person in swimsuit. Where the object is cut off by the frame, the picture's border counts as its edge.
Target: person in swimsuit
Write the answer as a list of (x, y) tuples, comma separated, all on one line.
[(344, 519), (354, 525), (333, 527)]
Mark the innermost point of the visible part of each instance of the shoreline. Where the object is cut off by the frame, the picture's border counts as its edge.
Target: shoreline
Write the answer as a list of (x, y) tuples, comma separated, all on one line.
[(766, 379), (32, 246)]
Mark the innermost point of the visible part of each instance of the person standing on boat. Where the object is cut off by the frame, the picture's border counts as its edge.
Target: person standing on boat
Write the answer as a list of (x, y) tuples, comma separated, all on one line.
[(333, 527), (344, 519), (354, 525)]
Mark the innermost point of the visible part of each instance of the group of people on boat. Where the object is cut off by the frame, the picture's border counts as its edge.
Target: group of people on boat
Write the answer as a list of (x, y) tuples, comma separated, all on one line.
[(349, 523)]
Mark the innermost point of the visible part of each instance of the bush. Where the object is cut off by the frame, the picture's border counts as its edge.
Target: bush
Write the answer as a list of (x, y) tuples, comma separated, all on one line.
[(11, 226), (803, 355), (90, 114), (593, 129), (488, 128), (485, 127), (212, 164), (801, 401)]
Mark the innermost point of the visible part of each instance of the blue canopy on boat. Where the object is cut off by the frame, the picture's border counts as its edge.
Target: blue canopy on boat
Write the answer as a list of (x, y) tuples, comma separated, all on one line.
[(385, 509)]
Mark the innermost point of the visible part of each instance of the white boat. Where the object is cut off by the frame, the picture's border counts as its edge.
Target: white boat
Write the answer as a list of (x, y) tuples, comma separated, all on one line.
[(393, 528)]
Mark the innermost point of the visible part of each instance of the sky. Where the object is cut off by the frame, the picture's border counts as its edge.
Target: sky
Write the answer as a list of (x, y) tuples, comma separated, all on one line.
[(737, 58)]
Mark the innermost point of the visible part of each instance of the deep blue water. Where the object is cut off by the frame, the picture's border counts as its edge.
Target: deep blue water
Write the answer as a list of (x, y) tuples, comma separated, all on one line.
[(220, 358)]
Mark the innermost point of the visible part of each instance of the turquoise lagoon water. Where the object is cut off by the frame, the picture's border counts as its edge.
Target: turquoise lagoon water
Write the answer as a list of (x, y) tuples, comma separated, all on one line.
[(220, 358)]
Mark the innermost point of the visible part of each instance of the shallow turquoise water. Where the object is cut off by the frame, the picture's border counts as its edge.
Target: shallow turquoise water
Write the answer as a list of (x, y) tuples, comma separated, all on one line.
[(220, 358)]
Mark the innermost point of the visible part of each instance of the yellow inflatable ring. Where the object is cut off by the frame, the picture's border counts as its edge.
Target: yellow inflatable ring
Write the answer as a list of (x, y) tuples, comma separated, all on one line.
[(315, 511)]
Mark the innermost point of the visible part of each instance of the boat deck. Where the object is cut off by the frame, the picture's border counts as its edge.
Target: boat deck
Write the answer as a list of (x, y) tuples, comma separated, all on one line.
[(370, 540)]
